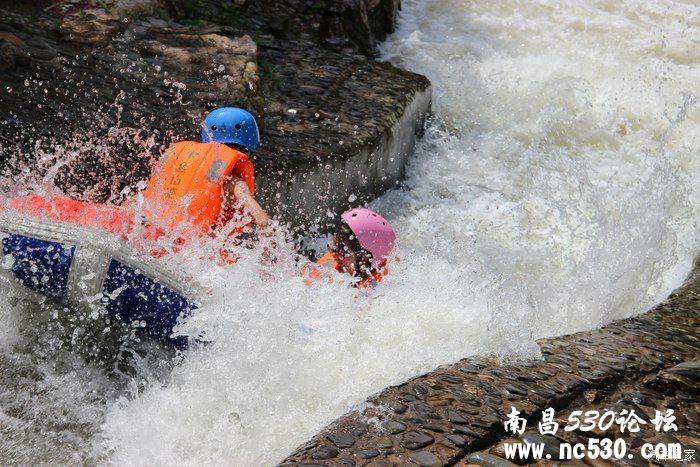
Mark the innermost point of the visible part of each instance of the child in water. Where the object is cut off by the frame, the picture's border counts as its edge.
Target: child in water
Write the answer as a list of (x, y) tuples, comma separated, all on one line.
[(360, 247)]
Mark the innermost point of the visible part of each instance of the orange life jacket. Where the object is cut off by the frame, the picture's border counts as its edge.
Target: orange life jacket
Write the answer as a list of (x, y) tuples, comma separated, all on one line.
[(314, 273), (187, 185)]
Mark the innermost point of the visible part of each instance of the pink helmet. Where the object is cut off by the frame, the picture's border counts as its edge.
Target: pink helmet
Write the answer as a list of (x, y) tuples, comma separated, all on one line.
[(373, 232)]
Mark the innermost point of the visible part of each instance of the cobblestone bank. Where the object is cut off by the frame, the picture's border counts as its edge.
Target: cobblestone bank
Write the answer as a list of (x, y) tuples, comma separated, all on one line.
[(454, 414)]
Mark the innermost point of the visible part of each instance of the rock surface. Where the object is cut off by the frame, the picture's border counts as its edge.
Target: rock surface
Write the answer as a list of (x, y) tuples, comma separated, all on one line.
[(454, 414), (96, 89), (341, 24)]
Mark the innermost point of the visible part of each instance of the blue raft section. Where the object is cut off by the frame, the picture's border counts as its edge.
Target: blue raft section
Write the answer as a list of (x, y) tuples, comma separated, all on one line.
[(40, 265), (128, 294)]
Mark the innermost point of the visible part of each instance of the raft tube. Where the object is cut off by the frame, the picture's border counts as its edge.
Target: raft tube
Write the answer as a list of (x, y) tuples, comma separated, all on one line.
[(79, 254)]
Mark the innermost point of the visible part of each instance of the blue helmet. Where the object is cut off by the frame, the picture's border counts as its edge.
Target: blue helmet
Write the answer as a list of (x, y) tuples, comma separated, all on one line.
[(231, 125)]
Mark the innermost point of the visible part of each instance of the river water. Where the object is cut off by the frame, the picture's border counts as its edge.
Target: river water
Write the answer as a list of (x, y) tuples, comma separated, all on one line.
[(556, 189)]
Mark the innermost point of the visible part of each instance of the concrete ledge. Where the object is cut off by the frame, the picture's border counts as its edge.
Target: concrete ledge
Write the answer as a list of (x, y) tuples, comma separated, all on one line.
[(441, 417), (304, 198)]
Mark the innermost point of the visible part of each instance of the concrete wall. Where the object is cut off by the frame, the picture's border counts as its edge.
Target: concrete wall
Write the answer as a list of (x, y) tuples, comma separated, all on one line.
[(315, 198)]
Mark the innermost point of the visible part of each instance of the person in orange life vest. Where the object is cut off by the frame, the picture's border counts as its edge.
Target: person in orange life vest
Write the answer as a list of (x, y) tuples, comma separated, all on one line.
[(360, 247), (205, 185)]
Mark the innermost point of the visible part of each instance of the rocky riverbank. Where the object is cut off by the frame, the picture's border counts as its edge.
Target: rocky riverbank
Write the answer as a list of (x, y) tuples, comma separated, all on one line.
[(95, 89), (454, 415)]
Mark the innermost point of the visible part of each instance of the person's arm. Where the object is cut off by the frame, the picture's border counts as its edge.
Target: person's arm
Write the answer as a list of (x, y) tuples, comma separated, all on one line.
[(241, 192), (129, 203)]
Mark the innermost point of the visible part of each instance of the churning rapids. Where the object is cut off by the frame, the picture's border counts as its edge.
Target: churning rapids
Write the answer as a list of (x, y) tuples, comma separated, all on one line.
[(556, 189)]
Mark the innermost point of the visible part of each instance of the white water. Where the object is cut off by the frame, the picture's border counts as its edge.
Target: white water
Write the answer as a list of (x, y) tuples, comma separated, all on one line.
[(556, 191)]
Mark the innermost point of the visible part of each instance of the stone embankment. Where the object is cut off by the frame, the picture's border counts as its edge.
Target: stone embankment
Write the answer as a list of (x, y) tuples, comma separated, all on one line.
[(454, 415), (102, 86)]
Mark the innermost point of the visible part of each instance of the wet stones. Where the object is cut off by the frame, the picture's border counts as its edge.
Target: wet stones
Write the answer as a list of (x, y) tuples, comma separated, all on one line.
[(488, 460), (459, 441), (367, 22), (357, 25), (80, 73), (231, 62), (515, 390), (367, 453), (12, 52), (341, 440), (98, 30), (394, 427), (466, 431), (635, 396), (456, 417), (425, 411), (397, 406), (550, 443), (385, 442), (357, 429), (96, 22), (416, 440), (616, 375), (323, 452), (690, 370), (499, 448), (434, 401), (486, 421), (425, 459), (670, 383)]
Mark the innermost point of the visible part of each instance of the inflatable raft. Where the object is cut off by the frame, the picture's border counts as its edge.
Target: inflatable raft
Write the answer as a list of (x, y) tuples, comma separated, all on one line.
[(88, 256)]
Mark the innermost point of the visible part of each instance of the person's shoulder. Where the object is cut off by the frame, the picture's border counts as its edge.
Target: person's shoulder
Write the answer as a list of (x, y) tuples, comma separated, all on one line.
[(183, 147), (188, 143)]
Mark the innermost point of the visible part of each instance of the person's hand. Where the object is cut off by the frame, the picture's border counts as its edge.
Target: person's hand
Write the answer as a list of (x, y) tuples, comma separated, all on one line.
[(262, 220), (240, 191)]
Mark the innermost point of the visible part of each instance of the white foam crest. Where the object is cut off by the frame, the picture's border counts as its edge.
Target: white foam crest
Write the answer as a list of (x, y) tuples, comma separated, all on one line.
[(571, 149), (278, 349)]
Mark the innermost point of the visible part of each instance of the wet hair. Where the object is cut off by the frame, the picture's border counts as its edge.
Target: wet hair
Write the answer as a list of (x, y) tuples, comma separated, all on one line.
[(345, 233), (345, 238)]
